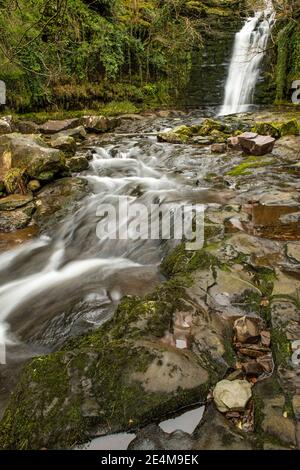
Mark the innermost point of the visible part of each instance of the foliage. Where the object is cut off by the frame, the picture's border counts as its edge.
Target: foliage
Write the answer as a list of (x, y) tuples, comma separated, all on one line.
[(91, 49)]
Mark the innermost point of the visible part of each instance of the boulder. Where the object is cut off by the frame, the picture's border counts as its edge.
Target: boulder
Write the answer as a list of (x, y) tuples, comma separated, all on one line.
[(65, 143), (218, 433), (77, 164), (99, 124), (14, 201), (232, 395), (52, 127), (31, 153), (56, 198), (78, 133), (11, 220), (5, 127), (255, 144), (27, 127)]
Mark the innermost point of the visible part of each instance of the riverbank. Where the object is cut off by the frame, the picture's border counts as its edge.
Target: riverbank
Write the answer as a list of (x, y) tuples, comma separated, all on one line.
[(163, 344)]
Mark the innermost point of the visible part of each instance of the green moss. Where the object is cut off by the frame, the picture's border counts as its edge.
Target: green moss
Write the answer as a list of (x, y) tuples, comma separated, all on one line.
[(281, 347), (181, 261), (248, 164), (14, 180)]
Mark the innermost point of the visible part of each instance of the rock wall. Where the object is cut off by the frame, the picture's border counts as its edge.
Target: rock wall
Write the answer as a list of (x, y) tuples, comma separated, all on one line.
[(210, 64)]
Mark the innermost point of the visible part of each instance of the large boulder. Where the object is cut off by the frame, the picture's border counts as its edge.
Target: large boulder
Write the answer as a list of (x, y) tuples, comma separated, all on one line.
[(32, 154), (78, 133), (65, 143), (52, 127), (56, 198), (99, 124), (255, 144)]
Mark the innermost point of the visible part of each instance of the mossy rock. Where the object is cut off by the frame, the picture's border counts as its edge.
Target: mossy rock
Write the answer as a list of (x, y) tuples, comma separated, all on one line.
[(122, 376), (277, 129), (267, 128)]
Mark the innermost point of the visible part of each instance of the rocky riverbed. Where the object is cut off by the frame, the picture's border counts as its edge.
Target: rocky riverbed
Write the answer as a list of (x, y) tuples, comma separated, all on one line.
[(218, 327)]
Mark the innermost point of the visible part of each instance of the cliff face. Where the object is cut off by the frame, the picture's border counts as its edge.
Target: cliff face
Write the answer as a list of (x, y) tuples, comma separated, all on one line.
[(210, 64)]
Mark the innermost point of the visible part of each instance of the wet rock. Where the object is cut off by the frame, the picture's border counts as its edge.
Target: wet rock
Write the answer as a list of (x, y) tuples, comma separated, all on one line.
[(78, 133), (99, 124), (27, 127), (172, 138), (285, 315), (52, 127), (15, 201), (218, 148), (65, 143), (16, 219), (134, 117), (253, 350), (153, 438), (117, 366), (252, 368), (265, 337), (247, 329), (11, 240), (255, 144), (232, 395), (233, 142), (286, 284), (32, 154), (274, 420), (5, 127), (296, 407), (288, 148), (34, 186), (217, 433), (56, 198), (293, 251), (77, 164)]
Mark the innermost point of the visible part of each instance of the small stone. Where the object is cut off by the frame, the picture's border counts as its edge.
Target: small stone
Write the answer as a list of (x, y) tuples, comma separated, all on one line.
[(233, 142), (246, 329), (266, 362), (265, 337), (34, 185), (218, 148), (252, 350), (253, 368), (232, 395)]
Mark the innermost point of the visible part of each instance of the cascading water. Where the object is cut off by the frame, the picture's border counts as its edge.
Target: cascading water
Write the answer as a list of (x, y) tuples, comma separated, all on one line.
[(249, 50), (69, 280)]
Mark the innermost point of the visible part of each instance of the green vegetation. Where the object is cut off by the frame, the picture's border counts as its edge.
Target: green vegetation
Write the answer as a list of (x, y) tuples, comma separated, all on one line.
[(249, 164), (80, 53), (287, 35)]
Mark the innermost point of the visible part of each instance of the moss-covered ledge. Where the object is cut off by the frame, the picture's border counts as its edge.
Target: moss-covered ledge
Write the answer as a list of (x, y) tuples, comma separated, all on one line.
[(124, 374)]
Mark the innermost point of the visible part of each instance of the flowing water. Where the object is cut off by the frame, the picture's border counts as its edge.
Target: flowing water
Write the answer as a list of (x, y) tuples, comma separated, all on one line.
[(248, 53), (69, 280)]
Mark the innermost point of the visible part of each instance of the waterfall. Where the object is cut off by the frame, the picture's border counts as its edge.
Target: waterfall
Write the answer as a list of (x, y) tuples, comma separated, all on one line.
[(248, 53)]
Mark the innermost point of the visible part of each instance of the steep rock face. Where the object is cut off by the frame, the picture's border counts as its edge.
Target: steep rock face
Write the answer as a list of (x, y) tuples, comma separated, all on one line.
[(211, 63)]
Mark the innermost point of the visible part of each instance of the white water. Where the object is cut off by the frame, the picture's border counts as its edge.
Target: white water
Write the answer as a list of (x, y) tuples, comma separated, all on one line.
[(248, 53)]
